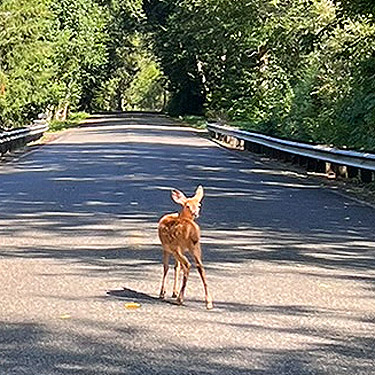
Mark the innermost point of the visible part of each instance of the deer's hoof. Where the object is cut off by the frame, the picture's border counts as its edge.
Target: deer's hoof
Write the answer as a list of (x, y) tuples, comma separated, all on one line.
[(180, 300), (174, 295), (209, 305), (162, 295)]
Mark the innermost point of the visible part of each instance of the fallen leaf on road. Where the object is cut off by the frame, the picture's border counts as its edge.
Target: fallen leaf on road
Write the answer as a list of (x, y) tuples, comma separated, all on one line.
[(65, 316), (323, 285), (132, 305)]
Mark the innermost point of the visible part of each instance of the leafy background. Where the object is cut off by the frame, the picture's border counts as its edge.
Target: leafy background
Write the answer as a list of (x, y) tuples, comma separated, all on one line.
[(301, 69)]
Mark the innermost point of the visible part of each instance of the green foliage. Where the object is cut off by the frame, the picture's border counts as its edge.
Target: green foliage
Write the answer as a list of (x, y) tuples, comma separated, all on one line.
[(74, 119), (136, 82), (25, 59), (300, 69), (80, 52), (168, 22), (146, 90), (198, 122), (57, 56)]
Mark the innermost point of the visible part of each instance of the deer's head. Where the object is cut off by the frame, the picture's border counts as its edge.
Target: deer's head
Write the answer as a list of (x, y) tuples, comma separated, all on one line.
[(190, 206)]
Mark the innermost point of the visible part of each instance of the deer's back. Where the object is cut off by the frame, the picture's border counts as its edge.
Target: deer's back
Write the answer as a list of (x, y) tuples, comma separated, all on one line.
[(178, 232)]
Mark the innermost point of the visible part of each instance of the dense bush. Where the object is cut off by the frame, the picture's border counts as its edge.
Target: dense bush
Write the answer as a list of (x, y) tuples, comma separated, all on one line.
[(300, 69)]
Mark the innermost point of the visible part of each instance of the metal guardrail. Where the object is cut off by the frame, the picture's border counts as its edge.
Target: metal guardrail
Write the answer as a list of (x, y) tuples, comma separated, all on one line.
[(10, 140), (360, 160)]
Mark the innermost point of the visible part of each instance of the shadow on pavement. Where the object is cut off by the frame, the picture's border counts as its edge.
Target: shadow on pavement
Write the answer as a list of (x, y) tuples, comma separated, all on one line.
[(97, 204), (33, 349)]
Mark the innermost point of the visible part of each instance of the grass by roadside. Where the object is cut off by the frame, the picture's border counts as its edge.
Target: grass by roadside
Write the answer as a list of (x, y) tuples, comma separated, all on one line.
[(72, 121), (198, 122)]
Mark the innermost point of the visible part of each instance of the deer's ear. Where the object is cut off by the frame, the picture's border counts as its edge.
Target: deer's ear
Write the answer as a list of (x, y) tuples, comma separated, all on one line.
[(199, 193), (178, 197)]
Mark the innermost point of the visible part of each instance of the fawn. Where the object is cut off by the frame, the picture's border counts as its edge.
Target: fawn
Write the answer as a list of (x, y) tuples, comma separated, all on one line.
[(179, 233)]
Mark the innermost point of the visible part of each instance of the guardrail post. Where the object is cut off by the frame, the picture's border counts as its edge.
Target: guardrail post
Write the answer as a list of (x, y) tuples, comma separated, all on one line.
[(320, 166), (3, 149), (331, 170), (342, 171)]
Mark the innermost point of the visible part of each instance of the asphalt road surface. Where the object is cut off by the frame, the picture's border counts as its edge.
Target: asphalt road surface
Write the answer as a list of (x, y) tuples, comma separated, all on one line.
[(290, 264)]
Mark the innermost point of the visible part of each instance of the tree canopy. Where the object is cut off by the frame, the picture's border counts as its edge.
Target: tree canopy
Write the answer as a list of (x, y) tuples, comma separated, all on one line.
[(57, 56), (300, 69)]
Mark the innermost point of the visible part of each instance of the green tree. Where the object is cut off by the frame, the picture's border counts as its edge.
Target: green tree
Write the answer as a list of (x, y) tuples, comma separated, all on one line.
[(80, 53), (132, 77), (301, 69), (172, 43), (25, 60)]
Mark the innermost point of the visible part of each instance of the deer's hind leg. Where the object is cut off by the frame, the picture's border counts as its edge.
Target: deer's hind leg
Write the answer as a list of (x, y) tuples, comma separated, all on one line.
[(177, 270), (166, 256), (185, 265)]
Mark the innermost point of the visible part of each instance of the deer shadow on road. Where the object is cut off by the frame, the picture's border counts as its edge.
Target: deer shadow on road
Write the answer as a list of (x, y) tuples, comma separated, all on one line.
[(132, 295)]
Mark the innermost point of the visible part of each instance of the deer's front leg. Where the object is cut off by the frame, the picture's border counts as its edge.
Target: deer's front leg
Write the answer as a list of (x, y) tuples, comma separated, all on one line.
[(196, 251), (202, 273)]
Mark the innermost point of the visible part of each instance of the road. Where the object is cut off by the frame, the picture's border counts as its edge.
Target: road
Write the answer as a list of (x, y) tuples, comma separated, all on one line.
[(290, 264)]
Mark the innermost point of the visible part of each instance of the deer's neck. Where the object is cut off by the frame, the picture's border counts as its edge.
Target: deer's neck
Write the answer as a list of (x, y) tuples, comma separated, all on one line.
[(185, 213)]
